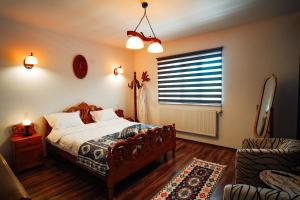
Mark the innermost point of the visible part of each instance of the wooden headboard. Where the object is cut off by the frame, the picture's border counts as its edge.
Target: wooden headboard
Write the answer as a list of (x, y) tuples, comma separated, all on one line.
[(85, 110), (85, 114)]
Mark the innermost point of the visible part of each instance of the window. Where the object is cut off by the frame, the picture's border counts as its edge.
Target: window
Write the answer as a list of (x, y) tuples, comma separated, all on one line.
[(191, 78)]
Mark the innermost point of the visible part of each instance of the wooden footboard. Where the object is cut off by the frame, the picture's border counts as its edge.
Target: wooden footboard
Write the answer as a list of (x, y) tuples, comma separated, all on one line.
[(130, 155)]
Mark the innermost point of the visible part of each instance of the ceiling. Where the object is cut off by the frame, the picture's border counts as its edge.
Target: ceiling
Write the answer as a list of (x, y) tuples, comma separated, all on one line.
[(106, 21)]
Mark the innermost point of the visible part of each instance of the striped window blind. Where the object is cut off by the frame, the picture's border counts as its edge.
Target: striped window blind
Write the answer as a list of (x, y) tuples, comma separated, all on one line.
[(191, 78)]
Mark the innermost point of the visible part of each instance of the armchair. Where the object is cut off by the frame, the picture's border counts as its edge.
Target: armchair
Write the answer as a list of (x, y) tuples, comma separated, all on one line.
[(256, 155), (249, 192)]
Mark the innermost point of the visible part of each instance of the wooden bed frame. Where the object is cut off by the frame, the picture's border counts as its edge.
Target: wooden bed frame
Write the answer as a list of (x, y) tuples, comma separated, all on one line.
[(124, 158)]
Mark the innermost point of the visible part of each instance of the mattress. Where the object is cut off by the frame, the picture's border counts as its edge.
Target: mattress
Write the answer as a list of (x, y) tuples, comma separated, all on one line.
[(70, 139)]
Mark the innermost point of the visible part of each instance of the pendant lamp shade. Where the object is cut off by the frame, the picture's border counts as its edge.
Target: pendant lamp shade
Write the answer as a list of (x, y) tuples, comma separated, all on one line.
[(134, 42), (136, 39), (155, 47)]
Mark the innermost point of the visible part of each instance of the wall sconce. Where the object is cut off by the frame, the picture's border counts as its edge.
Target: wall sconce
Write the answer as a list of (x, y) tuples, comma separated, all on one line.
[(30, 61), (26, 123), (118, 70)]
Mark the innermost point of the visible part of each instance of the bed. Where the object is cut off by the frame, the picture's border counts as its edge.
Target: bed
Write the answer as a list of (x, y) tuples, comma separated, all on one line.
[(122, 156)]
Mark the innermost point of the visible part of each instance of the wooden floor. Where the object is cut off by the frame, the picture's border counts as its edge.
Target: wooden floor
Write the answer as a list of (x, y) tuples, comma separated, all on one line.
[(58, 179)]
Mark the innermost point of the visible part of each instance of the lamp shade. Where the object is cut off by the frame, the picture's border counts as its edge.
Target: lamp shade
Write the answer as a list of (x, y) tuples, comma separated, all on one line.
[(118, 70), (26, 122), (134, 42), (155, 47), (30, 61)]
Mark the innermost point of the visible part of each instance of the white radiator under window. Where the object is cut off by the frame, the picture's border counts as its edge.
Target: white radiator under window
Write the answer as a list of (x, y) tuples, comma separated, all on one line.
[(203, 122)]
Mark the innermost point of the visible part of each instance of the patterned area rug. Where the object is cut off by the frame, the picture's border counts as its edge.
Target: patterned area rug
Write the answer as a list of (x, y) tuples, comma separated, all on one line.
[(196, 181)]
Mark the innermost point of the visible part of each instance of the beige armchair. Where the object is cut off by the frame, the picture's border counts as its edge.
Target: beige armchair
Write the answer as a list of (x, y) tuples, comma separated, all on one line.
[(249, 192), (256, 155)]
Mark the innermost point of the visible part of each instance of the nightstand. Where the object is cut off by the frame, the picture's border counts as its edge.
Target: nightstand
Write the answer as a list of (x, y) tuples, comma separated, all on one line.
[(27, 151)]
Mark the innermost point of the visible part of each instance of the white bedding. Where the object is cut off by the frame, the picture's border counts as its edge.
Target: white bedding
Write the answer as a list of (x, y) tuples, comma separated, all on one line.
[(70, 139)]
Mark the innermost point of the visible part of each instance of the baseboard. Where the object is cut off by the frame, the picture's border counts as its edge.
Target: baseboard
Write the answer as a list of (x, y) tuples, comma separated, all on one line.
[(185, 136)]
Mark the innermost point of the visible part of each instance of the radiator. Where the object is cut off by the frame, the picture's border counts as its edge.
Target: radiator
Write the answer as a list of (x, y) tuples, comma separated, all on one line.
[(203, 122)]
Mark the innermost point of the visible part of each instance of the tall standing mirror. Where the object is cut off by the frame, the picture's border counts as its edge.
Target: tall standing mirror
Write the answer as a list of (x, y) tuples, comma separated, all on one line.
[(264, 109)]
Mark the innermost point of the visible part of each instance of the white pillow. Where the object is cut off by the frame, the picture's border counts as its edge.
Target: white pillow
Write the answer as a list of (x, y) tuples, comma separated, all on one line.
[(104, 115), (64, 120)]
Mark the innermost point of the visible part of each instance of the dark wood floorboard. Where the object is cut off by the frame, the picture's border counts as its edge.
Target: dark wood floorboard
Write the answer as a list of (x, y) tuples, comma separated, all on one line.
[(59, 179)]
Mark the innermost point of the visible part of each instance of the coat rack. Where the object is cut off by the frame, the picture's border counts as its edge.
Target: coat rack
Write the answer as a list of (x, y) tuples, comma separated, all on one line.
[(135, 84)]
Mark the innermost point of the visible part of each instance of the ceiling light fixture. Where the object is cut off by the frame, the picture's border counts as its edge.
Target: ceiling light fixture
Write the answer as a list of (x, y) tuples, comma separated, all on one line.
[(136, 40)]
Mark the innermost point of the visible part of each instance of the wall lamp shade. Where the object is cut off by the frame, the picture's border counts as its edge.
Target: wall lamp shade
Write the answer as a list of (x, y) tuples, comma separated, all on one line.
[(155, 47), (134, 42), (30, 61), (118, 71)]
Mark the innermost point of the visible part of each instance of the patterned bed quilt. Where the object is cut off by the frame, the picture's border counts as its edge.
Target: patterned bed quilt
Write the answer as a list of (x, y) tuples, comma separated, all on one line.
[(93, 153)]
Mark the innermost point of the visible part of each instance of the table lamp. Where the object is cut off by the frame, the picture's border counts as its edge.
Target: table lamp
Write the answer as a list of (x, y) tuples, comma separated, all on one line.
[(27, 124)]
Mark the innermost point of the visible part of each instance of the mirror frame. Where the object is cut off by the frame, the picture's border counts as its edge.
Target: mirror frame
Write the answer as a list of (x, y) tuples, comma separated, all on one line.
[(265, 132)]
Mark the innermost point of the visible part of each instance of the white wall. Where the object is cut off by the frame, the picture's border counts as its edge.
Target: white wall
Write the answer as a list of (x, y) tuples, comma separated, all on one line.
[(51, 86), (251, 52)]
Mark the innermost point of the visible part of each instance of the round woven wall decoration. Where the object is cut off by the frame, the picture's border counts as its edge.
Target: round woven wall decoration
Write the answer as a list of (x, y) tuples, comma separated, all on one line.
[(80, 66)]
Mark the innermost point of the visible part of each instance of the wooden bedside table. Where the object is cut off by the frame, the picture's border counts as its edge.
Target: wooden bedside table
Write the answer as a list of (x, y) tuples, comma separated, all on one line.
[(27, 151)]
